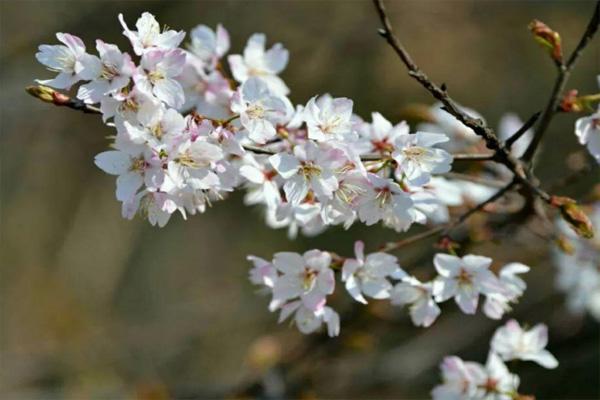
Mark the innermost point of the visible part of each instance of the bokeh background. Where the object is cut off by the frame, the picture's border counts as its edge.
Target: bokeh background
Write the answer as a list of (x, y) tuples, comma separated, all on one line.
[(94, 306)]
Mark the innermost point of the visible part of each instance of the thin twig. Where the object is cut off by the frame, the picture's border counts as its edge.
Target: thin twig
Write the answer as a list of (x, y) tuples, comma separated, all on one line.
[(473, 157), (501, 154), (517, 135), (564, 72), (475, 179)]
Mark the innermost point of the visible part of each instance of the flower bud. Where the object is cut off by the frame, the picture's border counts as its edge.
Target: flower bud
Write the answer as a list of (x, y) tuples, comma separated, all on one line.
[(547, 38), (573, 215), (43, 93)]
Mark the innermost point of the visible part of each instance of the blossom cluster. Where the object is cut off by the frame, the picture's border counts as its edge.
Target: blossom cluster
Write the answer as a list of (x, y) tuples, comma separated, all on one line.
[(299, 285), (471, 380), (187, 134), (578, 263)]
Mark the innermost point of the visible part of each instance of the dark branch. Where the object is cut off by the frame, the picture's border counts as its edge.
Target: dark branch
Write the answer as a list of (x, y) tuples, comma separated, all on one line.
[(501, 153), (564, 72), (517, 135)]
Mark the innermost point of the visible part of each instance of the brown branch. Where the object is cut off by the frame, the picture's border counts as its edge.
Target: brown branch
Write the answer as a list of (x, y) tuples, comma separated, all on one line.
[(473, 157), (501, 154), (476, 179), (564, 72), (517, 135)]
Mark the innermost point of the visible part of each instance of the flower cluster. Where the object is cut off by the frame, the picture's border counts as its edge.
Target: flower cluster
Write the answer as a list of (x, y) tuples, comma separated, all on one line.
[(187, 134), (471, 380), (587, 130), (578, 263), (300, 284)]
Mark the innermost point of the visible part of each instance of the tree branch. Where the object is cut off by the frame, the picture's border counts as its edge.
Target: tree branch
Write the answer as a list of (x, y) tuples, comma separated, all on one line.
[(501, 154), (517, 135), (564, 72)]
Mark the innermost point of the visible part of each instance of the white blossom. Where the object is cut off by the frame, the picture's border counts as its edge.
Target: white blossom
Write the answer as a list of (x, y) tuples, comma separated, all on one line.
[(513, 342), (260, 63), (419, 296), (329, 119), (370, 275), (69, 60), (464, 279), (260, 109), (149, 36)]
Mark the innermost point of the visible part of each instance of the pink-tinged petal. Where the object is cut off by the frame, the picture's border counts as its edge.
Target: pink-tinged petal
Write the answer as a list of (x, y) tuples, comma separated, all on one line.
[(276, 58), (222, 41), (286, 288), (324, 185), (326, 281), (424, 312), (314, 300), (332, 319), (306, 321), (377, 289), (252, 174), (286, 165), (427, 139), (127, 185), (349, 268), (446, 265), (74, 43), (467, 298), (543, 358), (113, 162), (359, 250), (169, 91), (64, 80), (288, 310), (317, 260), (238, 67), (353, 289), (537, 337), (288, 262), (475, 263), (296, 189)]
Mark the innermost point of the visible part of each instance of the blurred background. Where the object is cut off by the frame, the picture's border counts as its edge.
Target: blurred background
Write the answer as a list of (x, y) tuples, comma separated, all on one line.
[(94, 306)]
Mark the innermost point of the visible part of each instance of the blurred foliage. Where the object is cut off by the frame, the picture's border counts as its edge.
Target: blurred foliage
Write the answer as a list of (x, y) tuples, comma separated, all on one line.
[(94, 306)]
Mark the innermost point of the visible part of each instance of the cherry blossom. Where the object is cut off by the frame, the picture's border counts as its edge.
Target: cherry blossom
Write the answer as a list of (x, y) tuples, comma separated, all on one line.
[(69, 60), (260, 63), (329, 119), (109, 74), (263, 272), (157, 74), (419, 296), (417, 159), (208, 45), (307, 277), (311, 167), (308, 321), (148, 35), (497, 303), (369, 276), (464, 279), (380, 135), (513, 342), (385, 200), (260, 109), (462, 380)]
